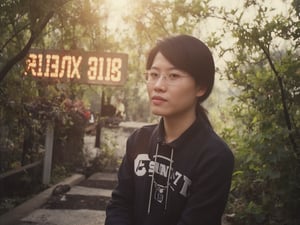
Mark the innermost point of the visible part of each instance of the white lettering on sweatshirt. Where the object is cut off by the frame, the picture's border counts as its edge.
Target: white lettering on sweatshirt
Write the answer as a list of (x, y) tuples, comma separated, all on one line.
[(143, 166), (139, 164)]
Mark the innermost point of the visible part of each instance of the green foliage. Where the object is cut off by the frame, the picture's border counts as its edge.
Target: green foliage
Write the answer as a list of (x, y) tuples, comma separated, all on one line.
[(150, 21), (106, 159), (265, 139), (27, 105), (59, 172)]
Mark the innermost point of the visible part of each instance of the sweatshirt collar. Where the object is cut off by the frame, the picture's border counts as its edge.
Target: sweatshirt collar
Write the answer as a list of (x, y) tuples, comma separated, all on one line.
[(199, 123)]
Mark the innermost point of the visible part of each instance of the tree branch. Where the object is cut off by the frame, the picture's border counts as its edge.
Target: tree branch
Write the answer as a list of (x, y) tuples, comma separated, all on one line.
[(283, 96), (13, 36), (20, 55)]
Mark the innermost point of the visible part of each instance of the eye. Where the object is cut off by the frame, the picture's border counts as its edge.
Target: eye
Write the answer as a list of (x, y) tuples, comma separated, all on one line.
[(153, 75), (173, 76)]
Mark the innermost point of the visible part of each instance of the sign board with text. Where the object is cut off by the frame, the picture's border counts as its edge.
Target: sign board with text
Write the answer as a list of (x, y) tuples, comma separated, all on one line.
[(77, 66)]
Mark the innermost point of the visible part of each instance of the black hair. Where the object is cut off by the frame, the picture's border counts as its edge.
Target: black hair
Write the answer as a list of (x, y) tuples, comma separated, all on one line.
[(191, 55)]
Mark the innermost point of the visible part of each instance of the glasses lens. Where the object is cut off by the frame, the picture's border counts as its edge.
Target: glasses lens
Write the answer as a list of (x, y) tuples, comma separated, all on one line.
[(152, 77)]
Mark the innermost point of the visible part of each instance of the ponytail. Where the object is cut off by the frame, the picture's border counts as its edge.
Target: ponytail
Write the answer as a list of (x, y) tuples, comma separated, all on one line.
[(202, 113)]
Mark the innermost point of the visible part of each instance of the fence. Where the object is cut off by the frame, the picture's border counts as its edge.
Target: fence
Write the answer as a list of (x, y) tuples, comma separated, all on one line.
[(47, 162)]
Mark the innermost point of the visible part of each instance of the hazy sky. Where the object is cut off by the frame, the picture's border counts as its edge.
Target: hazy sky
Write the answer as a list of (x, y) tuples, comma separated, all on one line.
[(122, 7)]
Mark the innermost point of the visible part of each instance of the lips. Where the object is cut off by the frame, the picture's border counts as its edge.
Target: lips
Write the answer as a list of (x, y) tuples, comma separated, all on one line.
[(157, 100)]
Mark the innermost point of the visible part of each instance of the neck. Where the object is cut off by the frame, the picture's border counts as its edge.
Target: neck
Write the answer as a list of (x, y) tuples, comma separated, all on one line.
[(175, 126)]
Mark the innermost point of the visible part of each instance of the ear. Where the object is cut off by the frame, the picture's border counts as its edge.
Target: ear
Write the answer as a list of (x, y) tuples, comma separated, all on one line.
[(201, 91)]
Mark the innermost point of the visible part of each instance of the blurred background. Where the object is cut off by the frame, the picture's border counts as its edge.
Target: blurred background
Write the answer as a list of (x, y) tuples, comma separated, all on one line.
[(254, 105)]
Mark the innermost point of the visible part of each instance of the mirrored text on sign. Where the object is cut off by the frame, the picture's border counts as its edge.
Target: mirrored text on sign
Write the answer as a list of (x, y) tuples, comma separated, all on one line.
[(76, 66)]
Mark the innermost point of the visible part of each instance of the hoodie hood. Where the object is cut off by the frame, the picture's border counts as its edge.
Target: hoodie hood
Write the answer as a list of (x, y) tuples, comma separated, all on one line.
[(198, 124)]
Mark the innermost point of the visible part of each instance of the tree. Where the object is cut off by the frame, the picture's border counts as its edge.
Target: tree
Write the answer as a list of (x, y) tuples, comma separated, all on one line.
[(265, 69), (21, 24), (150, 21), (39, 24)]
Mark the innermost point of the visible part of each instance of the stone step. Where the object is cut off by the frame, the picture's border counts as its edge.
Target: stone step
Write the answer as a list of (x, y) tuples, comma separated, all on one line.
[(103, 176), (75, 202), (92, 193), (81, 190), (105, 184), (83, 203), (64, 217)]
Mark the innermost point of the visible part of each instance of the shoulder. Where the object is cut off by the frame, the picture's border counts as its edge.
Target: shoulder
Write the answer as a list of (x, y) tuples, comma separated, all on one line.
[(214, 150), (140, 139), (218, 147), (212, 159), (143, 132)]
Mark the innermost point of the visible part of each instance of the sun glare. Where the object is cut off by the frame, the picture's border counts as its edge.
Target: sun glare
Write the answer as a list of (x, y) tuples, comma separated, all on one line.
[(116, 10)]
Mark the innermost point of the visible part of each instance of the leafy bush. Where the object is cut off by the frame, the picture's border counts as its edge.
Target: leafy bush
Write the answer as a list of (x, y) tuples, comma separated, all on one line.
[(106, 159)]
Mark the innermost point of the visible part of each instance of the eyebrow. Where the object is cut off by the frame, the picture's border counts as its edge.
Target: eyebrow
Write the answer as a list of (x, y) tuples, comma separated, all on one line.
[(171, 68)]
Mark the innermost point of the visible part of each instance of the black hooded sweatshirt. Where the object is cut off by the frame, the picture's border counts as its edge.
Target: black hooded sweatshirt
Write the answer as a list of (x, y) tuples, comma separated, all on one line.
[(185, 182)]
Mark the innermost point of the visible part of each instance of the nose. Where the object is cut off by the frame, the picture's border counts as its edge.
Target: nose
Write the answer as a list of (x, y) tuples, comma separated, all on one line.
[(160, 83)]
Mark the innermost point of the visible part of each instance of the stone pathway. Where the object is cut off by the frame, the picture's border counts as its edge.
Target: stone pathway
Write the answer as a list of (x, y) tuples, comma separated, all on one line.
[(83, 204)]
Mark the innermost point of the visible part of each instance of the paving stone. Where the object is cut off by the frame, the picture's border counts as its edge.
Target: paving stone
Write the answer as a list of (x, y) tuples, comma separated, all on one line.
[(82, 190), (65, 217), (105, 184), (77, 202), (83, 204), (103, 176)]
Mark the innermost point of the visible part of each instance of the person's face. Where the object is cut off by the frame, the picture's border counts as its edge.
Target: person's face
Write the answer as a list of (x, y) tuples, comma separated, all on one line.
[(172, 92)]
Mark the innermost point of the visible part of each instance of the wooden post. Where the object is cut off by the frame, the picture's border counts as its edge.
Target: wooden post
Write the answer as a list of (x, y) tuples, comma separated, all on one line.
[(48, 153), (99, 122)]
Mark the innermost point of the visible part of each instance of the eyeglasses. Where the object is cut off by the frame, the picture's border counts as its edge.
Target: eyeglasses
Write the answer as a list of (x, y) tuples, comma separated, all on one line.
[(172, 78)]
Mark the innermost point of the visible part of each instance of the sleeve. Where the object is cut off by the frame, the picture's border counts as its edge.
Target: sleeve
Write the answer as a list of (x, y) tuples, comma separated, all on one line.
[(120, 208), (209, 191)]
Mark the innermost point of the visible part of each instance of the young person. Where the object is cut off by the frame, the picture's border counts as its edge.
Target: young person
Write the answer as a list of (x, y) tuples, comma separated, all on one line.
[(179, 171)]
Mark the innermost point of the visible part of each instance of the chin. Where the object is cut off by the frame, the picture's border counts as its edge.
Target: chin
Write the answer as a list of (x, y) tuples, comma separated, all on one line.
[(159, 113), (156, 113)]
